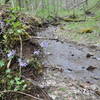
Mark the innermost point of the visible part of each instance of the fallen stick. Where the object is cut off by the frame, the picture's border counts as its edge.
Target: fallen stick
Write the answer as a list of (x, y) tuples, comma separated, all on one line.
[(38, 85), (44, 38), (19, 92), (73, 20), (21, 52), (9, 63)]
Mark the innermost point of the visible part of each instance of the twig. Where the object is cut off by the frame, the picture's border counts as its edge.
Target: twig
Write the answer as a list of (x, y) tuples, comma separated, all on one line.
[(72, 20), (45, 94), (21, 46), (19, 92), (21, 50), (9, 63), (38, 85), (44, 38), (35, 83)]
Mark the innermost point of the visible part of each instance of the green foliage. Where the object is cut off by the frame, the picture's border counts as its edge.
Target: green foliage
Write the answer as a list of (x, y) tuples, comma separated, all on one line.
[(13, 28), (10, 79), (2, 63), (14, 33), (13, 82)]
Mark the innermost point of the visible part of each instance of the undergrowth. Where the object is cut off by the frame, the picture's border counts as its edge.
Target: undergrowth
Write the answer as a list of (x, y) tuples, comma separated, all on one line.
[(85, 28), (13, 33)]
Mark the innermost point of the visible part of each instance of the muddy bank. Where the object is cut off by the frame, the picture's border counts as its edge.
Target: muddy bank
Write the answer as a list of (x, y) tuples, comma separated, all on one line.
[(74, 59), (80, 63)]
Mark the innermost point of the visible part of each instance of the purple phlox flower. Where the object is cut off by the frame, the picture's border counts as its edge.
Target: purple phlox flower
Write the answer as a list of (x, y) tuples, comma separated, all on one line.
[(22, 63), (11, 53), (44, 44), (37, 52)]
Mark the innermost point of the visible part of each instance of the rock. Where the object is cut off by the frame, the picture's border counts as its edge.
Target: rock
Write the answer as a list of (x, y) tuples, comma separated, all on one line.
[(48, 53), (91, 68), (70, 69), (98, 58), (51, 83), (72, 55), (94, 87), (52, 96), (84, 85), (89, 55), (97, 92)]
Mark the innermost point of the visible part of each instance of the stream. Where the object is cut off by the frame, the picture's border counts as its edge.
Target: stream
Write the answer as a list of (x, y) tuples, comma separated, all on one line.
[(77, 61)]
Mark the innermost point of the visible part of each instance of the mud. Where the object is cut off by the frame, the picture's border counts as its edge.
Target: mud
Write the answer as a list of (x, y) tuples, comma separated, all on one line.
[(72, 58), (69, 60)]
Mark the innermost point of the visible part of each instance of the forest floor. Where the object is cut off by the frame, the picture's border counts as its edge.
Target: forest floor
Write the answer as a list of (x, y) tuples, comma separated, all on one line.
[(71, 61), (72, 70)]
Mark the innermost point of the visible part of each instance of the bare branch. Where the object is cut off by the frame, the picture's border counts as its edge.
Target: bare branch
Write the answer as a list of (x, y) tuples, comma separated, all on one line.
[(19, 92)]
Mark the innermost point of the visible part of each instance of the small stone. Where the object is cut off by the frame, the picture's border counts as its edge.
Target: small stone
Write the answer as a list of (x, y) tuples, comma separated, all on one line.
[(52, 96), (97, 92), (48, 53), (72, 55), (91, 68), (89, 55), (94, 87), (98, 59), (70, 69)]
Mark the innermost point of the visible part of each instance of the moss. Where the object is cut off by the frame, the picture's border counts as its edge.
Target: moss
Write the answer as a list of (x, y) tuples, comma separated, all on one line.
[(86, 30)]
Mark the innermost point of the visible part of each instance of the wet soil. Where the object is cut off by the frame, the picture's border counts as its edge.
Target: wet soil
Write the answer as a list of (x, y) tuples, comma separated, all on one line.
[(69, 63)]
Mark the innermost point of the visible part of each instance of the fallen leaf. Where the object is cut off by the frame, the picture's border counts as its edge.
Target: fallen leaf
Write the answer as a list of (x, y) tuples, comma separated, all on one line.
[(86, 30)]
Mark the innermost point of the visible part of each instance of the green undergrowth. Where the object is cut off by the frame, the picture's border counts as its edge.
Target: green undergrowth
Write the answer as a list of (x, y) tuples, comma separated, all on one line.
[(87, 27), (52, 11), (13, 65), (82, 32)]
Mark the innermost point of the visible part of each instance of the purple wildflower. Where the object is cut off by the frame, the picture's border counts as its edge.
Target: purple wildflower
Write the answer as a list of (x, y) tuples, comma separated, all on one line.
[(44, 44), (22, 63), (11, 53), (37, 52)]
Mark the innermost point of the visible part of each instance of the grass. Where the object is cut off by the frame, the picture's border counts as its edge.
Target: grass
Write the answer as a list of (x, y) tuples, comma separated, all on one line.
[(77, 31), (72, 30), (53, 10)]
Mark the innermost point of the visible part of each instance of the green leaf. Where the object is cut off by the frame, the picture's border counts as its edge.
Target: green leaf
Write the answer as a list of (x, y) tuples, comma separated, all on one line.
[(24, 87), (19, 31), (16, 89), (12, 82), (9, 76), (2, 63), (8, 70), (17, 78), (5, 37), (17, 24), (18, 82)]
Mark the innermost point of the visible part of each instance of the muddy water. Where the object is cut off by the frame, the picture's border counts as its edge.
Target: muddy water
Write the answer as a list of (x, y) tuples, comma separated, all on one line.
[(71, 58)]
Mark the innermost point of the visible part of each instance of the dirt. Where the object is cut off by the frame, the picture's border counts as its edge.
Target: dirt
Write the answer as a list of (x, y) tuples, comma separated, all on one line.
[(72, 70)]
